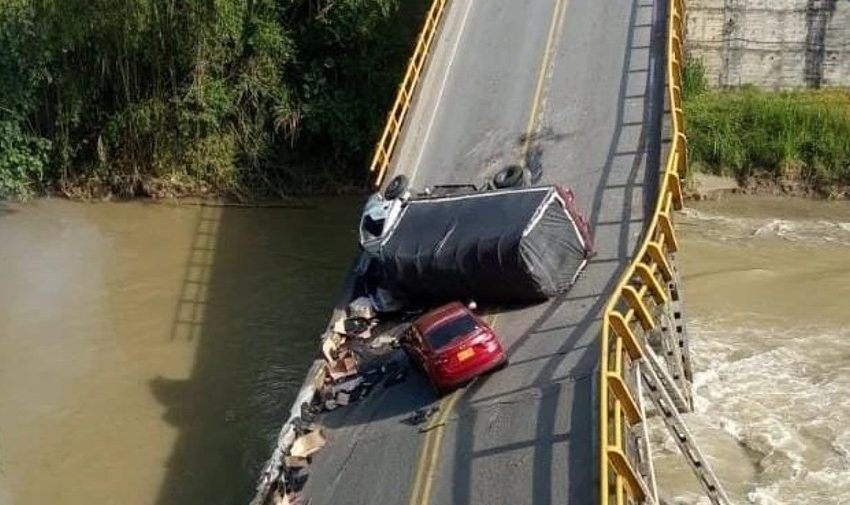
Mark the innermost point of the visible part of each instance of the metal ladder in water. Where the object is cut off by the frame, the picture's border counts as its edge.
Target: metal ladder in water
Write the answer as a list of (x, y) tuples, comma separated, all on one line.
[(660, 396), (667, 383)]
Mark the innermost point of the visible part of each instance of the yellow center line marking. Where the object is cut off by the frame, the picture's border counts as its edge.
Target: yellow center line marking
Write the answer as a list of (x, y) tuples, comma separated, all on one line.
[(430, 450), (435, 448), (557, 22), (420, 469)]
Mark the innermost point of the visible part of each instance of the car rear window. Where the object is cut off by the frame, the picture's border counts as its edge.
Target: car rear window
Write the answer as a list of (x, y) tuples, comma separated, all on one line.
[(443, 335)]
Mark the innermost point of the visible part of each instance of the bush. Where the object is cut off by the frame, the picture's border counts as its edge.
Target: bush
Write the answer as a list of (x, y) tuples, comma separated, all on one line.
[(694, 82), (749, 132), (23, 161), (237, 96)]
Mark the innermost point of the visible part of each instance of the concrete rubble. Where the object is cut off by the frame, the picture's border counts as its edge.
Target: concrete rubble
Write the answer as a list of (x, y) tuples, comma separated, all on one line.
[(357, 355)]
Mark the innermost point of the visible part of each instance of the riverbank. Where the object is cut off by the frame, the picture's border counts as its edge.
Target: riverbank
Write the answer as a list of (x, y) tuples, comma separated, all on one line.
[(787, 142), (697, 186), (227, 99), (192, 196), (705, 186)]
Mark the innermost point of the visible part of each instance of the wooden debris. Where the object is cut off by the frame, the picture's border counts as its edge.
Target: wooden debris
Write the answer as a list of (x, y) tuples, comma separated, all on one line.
[(343, 367), (295, 462), (291, 499), (331, 343), (307, 444)]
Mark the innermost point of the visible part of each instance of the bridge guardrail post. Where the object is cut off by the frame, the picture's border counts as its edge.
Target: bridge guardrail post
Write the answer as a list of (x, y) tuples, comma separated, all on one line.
[(647, 301), (406, 92)]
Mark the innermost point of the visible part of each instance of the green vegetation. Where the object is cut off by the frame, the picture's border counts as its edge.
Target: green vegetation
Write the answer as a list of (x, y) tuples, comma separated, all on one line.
[(789, 135), (231, 97)]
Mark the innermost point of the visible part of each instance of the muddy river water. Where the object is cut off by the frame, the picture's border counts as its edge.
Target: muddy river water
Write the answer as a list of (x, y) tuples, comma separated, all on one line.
[(767, 290), (149, 352)]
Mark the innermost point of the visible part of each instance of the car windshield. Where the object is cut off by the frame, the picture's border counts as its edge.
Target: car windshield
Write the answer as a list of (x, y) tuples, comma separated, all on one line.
[(373, 227), (443, 335)]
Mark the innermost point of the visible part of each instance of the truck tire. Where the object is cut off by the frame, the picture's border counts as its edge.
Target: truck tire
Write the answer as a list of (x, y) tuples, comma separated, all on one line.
[(512, 176), (396, 187)]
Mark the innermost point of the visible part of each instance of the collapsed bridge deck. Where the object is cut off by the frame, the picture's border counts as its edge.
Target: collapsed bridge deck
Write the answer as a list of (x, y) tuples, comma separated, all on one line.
[(573, 90)]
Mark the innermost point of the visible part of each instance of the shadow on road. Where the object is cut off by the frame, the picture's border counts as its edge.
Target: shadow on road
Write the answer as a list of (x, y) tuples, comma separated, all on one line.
[(572, 364)]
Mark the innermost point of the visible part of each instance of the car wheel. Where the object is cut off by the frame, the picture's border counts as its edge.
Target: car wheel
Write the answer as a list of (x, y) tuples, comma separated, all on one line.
[(396, 187), (512, 176)]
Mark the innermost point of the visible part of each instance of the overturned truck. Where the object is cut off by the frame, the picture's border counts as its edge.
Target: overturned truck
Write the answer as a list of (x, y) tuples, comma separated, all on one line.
[(504, 246)]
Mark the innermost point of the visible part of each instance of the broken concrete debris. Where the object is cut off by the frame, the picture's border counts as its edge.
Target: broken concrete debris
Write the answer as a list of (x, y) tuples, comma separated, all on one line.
[(362, 307), (420, 416), (347, 386), (355, 360), (344, 381), (342, 398)]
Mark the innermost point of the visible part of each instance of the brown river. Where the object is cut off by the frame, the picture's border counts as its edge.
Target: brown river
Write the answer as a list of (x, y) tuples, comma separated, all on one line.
[(149, 352)]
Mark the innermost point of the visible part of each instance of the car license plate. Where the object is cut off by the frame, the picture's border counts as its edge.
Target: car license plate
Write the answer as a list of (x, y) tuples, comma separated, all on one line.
[(465, 354)]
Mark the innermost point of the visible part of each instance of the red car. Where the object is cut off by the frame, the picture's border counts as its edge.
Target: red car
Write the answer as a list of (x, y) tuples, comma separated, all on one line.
[(452, 345)]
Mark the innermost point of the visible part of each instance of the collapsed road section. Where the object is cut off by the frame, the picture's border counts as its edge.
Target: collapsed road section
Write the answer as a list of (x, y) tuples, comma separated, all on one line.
[(570, 91), (497, 246)]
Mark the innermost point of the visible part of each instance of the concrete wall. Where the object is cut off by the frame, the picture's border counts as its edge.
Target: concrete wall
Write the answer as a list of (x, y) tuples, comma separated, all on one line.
[(771, 43)]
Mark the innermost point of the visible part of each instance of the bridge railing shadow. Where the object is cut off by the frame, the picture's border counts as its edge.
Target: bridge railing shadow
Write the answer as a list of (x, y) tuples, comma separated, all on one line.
[(639, 164), (254, 298)]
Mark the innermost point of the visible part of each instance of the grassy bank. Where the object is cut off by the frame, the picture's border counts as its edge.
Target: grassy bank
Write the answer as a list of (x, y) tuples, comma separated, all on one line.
[(241, 98), (748, 133)]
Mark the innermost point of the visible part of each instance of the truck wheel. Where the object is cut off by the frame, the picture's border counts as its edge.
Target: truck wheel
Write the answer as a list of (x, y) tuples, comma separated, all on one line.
[(512, 176), (396, 187)]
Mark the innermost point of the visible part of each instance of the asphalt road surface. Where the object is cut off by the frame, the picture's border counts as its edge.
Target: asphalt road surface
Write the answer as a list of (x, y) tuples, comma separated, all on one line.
[(572, 89)]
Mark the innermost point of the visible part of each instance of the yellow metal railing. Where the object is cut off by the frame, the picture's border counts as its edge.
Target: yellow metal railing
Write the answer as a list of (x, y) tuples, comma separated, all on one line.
[(642, 285), (395, 119)]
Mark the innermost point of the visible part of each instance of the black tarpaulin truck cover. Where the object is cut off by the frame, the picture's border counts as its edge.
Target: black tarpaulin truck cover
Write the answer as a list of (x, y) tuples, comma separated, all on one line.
[(508, 246)]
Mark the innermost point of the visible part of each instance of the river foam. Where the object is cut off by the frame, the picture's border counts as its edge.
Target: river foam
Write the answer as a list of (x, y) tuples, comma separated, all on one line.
[(766, 292), (806, 231), (784, 395)]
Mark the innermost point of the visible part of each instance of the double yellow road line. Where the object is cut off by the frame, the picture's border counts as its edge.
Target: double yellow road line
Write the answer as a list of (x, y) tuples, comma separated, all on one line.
[(554, 34), (430, 450)]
